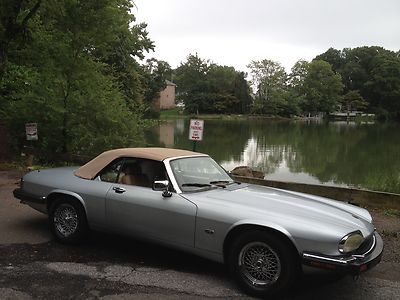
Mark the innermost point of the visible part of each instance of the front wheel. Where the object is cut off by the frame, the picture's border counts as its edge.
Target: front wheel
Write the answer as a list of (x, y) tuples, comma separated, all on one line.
[(67, 220), (263, 264)]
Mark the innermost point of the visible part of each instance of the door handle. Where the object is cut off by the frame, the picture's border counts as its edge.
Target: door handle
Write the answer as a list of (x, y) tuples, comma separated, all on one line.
[(119, 190)]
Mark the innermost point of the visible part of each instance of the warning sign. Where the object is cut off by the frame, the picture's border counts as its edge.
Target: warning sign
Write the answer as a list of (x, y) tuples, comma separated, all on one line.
[(31, 131), (196, 130)]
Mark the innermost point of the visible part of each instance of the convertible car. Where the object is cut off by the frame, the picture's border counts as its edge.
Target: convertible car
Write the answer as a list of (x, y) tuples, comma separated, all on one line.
[(184, 199)]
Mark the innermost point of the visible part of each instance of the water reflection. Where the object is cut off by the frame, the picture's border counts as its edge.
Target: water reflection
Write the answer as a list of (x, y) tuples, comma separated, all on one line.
[(339, 153)]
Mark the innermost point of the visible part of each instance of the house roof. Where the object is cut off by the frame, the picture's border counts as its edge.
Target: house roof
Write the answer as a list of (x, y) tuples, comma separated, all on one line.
[(93, 167), (170, 83)]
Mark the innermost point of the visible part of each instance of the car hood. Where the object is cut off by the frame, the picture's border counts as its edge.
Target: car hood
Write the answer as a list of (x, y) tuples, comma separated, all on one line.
[(283, 206)]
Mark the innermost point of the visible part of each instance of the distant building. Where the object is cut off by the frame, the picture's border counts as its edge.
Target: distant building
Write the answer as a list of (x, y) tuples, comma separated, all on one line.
[(166, 99)]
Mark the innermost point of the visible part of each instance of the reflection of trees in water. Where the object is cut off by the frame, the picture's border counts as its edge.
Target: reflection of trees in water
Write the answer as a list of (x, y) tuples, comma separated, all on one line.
[(222, 140), (361, 155), (366, 156), (259, 158)]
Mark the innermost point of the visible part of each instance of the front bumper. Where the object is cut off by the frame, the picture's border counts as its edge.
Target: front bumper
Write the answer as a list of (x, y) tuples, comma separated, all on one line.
[(353, 264), (34, 201), (27, 197)]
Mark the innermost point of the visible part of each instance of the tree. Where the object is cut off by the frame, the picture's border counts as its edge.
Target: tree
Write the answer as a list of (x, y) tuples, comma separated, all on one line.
[(334, 57), (14, 18), (269, 80), (156, 73), (241, 91), (352, 100), (77, 76), (322, 87), (206, 87), (384, 86), (191, 79), (373, 71), (298, 74)]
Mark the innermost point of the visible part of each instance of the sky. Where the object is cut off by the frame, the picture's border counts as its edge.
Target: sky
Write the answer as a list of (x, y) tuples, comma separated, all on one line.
[(233, 32)]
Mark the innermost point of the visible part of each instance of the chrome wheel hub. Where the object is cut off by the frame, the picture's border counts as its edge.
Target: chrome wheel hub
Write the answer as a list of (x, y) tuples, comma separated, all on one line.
[(66, 219), (259, 264)]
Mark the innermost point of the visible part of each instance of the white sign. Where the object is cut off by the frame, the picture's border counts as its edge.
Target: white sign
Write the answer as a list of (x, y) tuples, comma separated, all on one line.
[(196, 130), (31, 131)]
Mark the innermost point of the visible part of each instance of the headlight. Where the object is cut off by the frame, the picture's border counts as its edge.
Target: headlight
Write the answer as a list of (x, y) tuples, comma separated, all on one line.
[(351, 242)]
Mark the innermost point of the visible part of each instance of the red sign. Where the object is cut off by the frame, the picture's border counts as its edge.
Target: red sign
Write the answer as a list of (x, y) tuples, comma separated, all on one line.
[(196, 130)]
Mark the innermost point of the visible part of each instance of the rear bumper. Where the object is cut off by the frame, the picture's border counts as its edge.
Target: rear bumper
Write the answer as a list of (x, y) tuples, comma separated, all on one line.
[(354, 264)]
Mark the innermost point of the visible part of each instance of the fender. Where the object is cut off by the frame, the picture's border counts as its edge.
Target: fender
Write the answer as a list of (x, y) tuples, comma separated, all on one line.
[(266, 224), (69, 193)]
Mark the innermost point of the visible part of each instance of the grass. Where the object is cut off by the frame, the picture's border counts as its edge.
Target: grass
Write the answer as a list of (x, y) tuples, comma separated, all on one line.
[(178, 113), (392, 212), (12, 165), (172, 113), (20, 164)]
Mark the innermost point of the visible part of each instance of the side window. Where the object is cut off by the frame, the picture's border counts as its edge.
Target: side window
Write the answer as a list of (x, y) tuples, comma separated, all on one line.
[(142, 172), (111, 172)]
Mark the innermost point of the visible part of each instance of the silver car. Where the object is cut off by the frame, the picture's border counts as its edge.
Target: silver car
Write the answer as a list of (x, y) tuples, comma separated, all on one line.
[(185, 200)]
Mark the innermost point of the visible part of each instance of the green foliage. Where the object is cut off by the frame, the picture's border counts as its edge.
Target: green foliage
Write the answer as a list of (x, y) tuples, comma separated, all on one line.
[(322, 87), (173, 113), (352, 100), (156, 72), (374, 72), (205, 87), (77, 77), (269, 79)]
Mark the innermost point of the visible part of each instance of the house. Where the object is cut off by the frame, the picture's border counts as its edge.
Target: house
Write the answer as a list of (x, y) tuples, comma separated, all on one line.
[(166, 99)]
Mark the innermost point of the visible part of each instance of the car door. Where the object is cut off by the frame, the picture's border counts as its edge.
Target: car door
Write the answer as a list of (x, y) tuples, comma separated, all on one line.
[(141, 211)]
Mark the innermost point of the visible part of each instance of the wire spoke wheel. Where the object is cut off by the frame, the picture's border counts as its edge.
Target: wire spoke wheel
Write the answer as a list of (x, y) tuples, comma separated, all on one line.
[(65, 219), (259, 264)]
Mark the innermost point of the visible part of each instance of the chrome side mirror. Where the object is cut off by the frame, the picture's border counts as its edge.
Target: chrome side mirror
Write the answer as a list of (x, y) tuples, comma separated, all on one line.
[(162, 185)]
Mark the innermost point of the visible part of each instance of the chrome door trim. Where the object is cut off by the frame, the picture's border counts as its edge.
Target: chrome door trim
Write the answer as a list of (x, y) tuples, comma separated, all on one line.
[(171, 174)]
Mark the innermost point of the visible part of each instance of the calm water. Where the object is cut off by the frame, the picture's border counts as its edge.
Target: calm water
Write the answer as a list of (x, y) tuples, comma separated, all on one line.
[(336, 153)]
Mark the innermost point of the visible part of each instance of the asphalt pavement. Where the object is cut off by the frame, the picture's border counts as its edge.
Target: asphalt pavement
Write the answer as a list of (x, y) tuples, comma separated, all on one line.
[(34, 266)]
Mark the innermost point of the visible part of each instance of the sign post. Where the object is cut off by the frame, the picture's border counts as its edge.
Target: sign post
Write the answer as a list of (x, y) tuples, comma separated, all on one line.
[(31, 135), (196, 131)]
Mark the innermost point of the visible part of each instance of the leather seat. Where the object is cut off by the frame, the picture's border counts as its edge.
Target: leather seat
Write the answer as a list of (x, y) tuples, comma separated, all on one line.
[(134, 176)]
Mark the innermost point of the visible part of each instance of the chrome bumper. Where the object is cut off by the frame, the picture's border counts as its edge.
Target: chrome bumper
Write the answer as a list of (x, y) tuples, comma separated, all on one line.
[(353, 264), (36, 202)]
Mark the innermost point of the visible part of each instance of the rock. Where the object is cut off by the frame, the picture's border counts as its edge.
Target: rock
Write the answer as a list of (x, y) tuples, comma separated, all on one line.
[(247, 172)]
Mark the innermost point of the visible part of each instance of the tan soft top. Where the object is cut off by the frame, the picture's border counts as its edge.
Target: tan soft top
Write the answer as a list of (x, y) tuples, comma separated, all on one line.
[(93, 167)]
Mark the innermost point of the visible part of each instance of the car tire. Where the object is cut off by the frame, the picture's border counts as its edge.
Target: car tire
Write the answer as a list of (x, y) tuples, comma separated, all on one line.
[(68, 221), (262, 263)]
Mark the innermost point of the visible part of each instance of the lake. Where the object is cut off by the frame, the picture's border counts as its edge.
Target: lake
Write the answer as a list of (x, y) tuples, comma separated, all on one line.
[(331, 153)]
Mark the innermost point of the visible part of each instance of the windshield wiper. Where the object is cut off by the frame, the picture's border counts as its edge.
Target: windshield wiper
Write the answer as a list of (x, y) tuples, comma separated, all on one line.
[(221, 183), (196, 184)]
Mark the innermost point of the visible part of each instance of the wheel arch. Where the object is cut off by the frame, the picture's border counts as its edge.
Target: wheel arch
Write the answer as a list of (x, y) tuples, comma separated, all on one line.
[(66, 194), (244, 226)]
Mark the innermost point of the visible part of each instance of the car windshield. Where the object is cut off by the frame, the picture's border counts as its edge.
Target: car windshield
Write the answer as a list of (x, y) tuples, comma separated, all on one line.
[(199, 173)]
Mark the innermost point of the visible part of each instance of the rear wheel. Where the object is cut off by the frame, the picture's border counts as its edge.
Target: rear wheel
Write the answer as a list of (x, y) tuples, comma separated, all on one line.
[(67, 220), (263, 264)]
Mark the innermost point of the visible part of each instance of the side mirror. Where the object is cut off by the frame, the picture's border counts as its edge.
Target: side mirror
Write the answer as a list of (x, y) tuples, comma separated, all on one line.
[(162, 185)]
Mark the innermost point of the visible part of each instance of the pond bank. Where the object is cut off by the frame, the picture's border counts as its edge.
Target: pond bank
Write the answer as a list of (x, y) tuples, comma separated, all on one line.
[(179, 114)]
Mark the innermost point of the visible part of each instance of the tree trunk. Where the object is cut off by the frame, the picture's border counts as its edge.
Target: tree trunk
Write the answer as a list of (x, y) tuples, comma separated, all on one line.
[(3, 59)]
